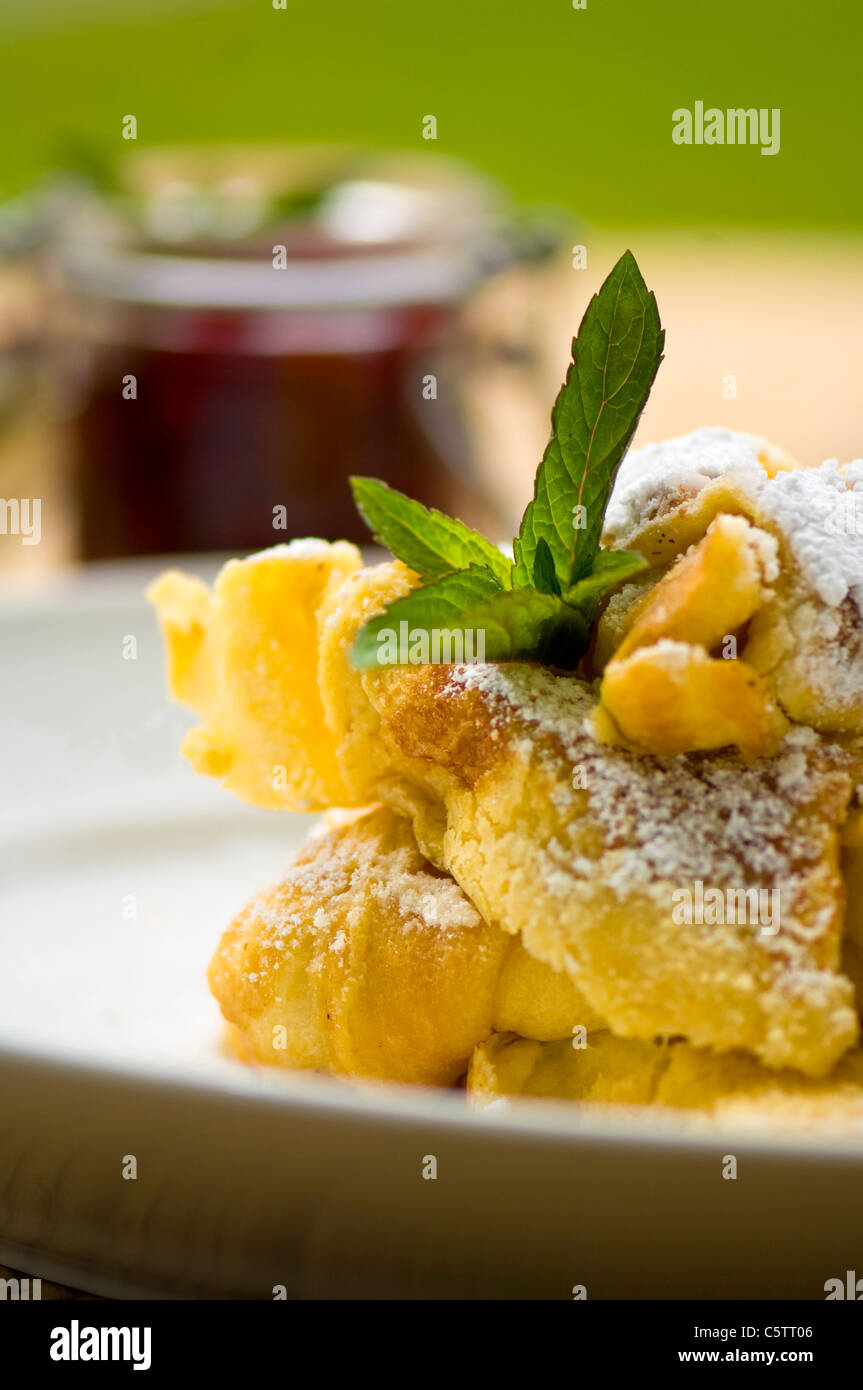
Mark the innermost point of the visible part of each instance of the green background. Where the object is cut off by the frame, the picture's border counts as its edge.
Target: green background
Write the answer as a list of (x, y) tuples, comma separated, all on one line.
[(566, 106)]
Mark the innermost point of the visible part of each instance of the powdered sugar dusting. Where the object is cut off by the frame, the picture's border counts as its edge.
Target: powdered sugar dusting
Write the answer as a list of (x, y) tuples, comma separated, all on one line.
[(660, 476), (766, 550), (331, 894), (819, 511), (710, 816), (816, 514), (301, 548), (551, 704)]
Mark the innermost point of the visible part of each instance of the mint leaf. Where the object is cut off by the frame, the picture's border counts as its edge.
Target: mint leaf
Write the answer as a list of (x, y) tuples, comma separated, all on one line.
[(436, 607), (544, 576), (428, 541), (524, 624), (615, 358), (442, 623), (610, 568)]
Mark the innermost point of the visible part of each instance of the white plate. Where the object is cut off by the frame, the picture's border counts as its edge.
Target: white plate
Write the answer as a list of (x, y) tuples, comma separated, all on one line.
[(119, 870)]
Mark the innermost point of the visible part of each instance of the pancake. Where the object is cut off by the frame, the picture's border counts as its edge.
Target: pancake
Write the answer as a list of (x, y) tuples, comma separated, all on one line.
[(805, 638), (365, 961), (244, 657), (732, 1089), (581, 846)]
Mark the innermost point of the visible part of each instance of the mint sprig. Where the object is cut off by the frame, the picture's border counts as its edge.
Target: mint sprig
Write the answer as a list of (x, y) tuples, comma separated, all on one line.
[(542, 606)]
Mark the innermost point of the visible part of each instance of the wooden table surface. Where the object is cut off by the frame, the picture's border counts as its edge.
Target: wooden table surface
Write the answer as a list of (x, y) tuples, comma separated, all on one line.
[(48, 1291)]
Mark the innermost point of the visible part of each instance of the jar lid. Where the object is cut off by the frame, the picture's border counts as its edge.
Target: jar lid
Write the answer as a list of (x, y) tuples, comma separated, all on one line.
[(311, 227)]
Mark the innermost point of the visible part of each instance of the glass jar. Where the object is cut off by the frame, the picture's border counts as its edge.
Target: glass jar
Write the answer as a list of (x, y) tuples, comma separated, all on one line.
[(257, 326)]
